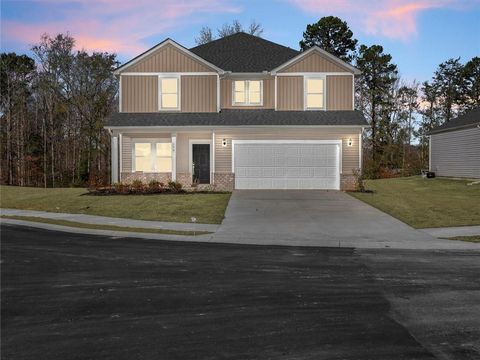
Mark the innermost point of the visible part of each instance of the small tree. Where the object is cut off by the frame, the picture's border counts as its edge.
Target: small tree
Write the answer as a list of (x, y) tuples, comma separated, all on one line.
[(206, 33)]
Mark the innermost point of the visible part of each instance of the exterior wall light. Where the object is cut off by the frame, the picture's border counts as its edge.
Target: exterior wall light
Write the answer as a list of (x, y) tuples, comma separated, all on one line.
[(349, 142), (224, 142)]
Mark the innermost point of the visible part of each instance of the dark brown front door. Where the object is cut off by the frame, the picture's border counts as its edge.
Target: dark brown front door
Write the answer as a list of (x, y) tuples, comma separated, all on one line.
[(201, 163)]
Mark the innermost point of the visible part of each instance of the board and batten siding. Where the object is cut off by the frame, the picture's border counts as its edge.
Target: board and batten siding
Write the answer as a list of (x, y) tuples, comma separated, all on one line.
[(350, 155), (199, 93), (314, 62), (226, 93), (456, 153), (139, 94), (289, 93), (169, 59), (339, 91)]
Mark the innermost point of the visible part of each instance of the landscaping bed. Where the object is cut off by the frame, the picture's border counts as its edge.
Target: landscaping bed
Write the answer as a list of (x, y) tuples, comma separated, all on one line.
[(208, 208), (425, 203)]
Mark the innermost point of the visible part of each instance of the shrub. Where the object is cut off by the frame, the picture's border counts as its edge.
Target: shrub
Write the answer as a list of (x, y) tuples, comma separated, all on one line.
[(359, 181), (121, 188), (155, 187), (175, 186), (137, 186)]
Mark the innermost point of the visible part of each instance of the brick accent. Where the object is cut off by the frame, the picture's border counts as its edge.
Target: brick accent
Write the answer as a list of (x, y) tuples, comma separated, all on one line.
[(224, 181), (347, 182), (128, 177)]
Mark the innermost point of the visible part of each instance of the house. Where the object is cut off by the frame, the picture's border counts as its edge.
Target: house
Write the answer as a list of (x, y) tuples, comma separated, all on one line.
[(239, 112), (455, 147)]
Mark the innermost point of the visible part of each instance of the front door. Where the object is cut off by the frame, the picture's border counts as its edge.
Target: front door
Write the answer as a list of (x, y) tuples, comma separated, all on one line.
[(201, 163)]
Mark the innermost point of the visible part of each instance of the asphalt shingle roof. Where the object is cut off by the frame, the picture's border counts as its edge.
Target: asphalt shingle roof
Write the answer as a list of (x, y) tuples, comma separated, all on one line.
[(233, 117), (471, 117), (242, 52)]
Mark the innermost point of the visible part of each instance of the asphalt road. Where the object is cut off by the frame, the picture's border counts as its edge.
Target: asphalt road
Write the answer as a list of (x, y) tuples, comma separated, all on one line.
[(70, 296)]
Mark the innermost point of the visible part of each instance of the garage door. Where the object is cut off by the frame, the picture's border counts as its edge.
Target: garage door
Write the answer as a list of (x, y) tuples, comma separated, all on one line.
[(301, 165)]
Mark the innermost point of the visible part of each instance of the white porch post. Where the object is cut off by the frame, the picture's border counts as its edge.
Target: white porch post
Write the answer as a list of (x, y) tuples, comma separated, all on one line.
[(213, 158), (114, 164), (174, 156)]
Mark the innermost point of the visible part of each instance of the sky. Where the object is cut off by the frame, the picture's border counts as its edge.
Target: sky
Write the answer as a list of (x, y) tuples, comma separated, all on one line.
[(419, 34)]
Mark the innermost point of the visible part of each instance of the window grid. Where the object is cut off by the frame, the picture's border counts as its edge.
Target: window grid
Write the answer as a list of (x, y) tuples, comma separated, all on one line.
[(165, 94), (319, 93), (247, 92), (154, 157)]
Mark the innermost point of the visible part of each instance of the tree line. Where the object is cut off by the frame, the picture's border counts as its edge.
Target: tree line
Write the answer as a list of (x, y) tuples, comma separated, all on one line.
[(53, 106)]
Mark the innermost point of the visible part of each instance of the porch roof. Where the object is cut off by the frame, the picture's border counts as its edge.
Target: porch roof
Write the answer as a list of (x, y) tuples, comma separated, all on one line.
[(234, 117)]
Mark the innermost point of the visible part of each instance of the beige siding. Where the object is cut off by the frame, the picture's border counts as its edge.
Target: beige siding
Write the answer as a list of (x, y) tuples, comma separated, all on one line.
[(139, 93), (339, 92), (183, 148), (456, 153), (268, 95), (127, 147), (290, 93), (350, 158), (169, 59), (199, 93), (314, 62)]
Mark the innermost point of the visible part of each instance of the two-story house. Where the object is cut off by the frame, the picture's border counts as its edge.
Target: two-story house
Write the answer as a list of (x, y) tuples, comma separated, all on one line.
[(240, 112)]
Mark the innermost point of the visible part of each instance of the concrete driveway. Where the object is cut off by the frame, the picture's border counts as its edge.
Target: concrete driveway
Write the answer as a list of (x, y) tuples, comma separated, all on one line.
[(318, 218)]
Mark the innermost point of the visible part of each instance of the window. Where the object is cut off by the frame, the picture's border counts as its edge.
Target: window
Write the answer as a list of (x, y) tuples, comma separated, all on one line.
[(247, 92), (152, 156), (168, 99), (314, 93)]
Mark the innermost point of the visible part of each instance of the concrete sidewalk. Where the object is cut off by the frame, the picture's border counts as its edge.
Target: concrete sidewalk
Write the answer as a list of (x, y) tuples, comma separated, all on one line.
[(104, 220), (453, 231)]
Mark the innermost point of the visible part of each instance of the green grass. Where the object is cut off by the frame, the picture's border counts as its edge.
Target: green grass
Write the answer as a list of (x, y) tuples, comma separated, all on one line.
[(473, 238), (102, 227), (207, 208), (424, 203)]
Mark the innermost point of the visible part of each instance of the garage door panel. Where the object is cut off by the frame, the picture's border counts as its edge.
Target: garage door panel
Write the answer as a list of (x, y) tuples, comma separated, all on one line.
[(286, 166)]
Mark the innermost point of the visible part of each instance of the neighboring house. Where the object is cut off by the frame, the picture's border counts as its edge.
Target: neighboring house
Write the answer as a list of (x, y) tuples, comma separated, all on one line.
[(455, 147), (239, 112)]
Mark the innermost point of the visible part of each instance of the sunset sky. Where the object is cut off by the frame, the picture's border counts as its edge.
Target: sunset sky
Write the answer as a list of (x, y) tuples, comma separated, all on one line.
[(418, 33)]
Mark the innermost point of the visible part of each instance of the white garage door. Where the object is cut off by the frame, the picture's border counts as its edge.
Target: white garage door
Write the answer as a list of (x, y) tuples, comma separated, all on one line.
[(290, 165)]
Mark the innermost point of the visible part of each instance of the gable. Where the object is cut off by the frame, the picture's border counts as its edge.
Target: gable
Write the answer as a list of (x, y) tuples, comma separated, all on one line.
[(169, 58), (315, 62)]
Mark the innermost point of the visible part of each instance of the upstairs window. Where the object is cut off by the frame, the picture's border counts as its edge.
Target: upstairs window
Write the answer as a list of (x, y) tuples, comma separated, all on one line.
[(152, 156), (169, 94), (247, 92), (314, 94)]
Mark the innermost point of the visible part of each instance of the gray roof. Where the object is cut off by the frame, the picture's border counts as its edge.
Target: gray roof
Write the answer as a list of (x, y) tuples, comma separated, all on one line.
[(242, 52), (233, 117), (469, 119)]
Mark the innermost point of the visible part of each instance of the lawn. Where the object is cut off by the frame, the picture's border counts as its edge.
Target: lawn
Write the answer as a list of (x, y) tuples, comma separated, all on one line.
[(425, 203), (473, 238), (207, 208)]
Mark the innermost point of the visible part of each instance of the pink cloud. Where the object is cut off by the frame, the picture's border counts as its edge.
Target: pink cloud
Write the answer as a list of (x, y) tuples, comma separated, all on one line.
[(114, 25), (394, 19)]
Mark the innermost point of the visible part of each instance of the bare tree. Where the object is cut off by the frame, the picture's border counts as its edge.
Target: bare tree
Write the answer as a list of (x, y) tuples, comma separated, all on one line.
[(205, 36), (206, 33)]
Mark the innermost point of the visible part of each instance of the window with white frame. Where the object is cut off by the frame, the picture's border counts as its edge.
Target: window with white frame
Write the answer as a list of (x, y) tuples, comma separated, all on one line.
[(314, 93), (152, 156), (169, 93), (247, 92)]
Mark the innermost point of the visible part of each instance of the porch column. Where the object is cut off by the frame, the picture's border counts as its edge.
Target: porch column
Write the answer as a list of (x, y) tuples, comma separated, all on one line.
[(114, 164), (174, 156), (213, 158)]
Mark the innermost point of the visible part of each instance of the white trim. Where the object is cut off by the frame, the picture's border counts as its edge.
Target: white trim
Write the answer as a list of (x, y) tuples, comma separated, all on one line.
[(213, 157), (162, 44), (174, 156), (179, 91), (322, 52), (168, 73), (143, 129), (322, 73), (339, 144), (152, 142), (309, 77), (247, 93), (114, 158), (429, 152), (360, 150), (353, 92), (190, 155), (218, 93), (120, 94), (275, 92), (120, 152)]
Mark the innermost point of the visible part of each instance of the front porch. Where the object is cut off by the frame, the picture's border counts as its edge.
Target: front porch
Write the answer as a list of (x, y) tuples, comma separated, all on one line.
[(185, 157)]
